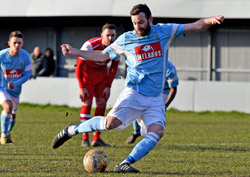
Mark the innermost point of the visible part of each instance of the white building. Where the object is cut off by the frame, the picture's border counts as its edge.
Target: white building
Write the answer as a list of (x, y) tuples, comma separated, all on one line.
[(220, 53)]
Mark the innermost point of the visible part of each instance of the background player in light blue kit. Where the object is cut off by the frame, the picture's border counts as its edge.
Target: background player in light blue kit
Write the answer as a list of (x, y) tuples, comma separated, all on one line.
[(146, 53), (15, 70), (168, 94)]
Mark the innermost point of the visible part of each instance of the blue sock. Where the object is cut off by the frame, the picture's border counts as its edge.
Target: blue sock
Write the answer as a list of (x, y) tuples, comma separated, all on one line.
[(143, 147), (11, 125), (95, 123), (5, 121), (137, 128)]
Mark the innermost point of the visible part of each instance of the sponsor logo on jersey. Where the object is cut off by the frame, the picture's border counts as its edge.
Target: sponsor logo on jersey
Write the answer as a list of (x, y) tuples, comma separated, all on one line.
[(148, 51), (12, 73)]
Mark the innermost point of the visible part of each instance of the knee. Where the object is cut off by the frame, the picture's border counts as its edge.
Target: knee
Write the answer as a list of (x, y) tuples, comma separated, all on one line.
[(8, 109), (87, 103), (157, 129), (7, 106), (101, 103), (160, 133), (112, 122)]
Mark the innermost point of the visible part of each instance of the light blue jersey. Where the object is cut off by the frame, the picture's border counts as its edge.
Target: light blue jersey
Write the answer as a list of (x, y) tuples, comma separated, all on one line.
[(171, 78), (146, 56), (16, 69)]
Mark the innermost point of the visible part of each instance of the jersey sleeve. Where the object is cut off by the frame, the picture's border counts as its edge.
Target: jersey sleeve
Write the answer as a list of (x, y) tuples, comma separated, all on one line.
[(179, 31), (78, 71), (176, 29), (26, 71), (171, 77), (86, 46), (173, 81), (116, 48)]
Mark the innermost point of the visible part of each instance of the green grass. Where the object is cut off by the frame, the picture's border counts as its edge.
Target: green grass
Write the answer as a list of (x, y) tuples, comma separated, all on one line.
[(195, 144)]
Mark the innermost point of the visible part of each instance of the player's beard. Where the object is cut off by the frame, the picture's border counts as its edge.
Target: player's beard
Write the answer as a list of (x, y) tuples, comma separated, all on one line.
[(14, 51), (144, 31)]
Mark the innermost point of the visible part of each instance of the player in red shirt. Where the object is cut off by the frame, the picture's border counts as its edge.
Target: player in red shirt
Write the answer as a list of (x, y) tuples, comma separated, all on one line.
[(95, 80)]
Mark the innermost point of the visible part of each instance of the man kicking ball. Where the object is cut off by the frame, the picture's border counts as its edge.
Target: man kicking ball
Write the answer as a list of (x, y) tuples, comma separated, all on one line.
[(146, 55)]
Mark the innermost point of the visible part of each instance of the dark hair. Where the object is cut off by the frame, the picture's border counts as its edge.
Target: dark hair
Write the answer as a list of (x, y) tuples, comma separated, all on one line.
[(108, 26), (18, 34), (51, 52), (141, 8)]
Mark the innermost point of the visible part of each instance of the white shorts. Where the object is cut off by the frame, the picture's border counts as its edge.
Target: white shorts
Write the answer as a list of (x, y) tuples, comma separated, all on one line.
[(4, 95), (164, 97), (130, 105)]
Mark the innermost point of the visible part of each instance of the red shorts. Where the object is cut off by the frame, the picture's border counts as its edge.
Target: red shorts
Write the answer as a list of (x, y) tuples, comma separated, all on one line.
[(95, 90)]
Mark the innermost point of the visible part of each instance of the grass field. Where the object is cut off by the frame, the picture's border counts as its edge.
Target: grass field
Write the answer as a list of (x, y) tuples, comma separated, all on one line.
[(195, 144)]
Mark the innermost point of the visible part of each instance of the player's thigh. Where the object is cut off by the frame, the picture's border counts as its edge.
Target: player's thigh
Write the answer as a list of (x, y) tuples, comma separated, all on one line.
[(152, 116), (91, 91), (99, 89), (15, 102), (4, 96), (164, 97), (126, 115), (9, 102)]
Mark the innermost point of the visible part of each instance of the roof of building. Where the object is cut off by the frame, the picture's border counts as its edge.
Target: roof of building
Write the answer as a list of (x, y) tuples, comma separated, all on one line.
[(160, 8)]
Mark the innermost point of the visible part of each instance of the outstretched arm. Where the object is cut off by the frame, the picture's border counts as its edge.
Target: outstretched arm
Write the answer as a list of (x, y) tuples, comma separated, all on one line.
[(203, 24), (94, 55)]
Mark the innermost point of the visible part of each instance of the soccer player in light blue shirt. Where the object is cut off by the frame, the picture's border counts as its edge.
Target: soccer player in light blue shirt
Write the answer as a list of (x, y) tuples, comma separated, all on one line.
[(170, 86), (168, 94), (146, 53), (15, 70)]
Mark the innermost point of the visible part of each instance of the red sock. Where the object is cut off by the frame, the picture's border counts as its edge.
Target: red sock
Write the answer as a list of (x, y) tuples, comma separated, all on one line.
[(85, 136), (96, 136), (85, 113)]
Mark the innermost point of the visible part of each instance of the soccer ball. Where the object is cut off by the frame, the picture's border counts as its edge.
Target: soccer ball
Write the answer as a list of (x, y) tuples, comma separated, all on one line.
[(95, 161)]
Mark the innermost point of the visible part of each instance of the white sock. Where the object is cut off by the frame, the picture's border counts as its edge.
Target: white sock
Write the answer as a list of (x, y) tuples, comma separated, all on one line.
[(124, 161), (4, 135), (71, 130)]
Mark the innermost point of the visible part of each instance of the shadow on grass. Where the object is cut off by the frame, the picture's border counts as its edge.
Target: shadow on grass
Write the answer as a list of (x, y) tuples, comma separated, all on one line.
[(100, 174), (205, 148), (156, 173), (146, 173)]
